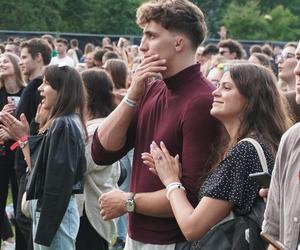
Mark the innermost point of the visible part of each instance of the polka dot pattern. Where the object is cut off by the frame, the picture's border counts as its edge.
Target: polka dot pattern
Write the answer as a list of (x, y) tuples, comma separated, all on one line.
[(230, 180)]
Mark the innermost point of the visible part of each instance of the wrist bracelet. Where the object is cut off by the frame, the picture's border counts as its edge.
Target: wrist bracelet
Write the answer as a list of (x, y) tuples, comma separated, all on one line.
[(173, 186), (129, 102), (22, 142)]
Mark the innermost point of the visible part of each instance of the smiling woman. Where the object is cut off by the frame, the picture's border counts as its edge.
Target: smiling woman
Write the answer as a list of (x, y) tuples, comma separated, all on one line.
[(11, 87), (248, 104)]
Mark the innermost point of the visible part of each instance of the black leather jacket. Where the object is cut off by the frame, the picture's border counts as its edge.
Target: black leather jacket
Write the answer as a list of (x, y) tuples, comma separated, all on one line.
[(58, 165)]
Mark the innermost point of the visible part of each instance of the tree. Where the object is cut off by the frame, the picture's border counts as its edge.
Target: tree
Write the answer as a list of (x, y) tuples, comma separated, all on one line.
[(249, 22), (245, 22), (283, 25)]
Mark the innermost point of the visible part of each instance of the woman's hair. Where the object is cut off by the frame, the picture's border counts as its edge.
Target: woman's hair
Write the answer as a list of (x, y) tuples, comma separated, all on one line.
[(265, 113), (99, 92), (70, 91), (263, 59), (14, 59), (118, 71), (89, 47)]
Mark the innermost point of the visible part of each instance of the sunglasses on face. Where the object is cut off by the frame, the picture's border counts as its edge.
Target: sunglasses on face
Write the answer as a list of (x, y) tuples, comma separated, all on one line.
[(223, 52)]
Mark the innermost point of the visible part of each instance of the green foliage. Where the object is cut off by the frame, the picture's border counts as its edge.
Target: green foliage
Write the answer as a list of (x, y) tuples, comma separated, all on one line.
[(247, 21), (243, 18), (82, 16), (283, 25)]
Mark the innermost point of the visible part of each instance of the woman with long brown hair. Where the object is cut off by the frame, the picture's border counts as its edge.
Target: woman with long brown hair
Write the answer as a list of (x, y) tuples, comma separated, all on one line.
[(249, 104), (55, 158)]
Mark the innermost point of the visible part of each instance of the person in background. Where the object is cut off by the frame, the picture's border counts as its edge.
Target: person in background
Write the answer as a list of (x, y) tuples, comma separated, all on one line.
[(267, 49), (95, 233), (11, 87), (260, 58), (255, 48), (62, 58), (74, 45), (281, 219), (12, 47), (106, 41), (230, 49), (49, 39), (117, 70), (89, 60), (286, 64), (35, 55), (89, 47), (98, 55), (55, 158), (109, 55)]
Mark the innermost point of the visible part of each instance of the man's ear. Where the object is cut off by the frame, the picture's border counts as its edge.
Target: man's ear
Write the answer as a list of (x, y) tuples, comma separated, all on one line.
[(232, 55), (38, 57), (179, 43)]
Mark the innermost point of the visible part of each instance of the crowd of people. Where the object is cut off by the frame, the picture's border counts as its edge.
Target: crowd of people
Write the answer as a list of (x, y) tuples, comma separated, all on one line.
[(124, 146)]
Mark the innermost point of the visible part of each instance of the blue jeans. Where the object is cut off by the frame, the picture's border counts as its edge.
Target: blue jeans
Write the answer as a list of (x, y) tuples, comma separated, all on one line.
[(66, 234), (122, 221)]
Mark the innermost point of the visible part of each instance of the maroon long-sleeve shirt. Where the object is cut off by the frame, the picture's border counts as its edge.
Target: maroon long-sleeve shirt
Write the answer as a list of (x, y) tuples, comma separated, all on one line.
[(177, 112)]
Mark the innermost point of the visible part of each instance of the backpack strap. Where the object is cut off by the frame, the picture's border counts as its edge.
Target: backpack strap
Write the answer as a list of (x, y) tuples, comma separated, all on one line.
[(260, 153)]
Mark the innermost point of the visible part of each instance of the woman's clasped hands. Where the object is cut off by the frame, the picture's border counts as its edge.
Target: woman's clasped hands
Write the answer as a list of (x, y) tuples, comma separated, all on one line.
[(161, 163)]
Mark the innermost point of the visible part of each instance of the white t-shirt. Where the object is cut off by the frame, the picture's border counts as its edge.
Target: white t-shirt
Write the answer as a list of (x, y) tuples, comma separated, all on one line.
[(64, 61)]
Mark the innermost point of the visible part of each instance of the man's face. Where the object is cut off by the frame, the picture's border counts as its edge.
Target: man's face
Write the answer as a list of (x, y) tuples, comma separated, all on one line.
[(27, 63), (297, 73), (224, 51), (61, 48), (11, 48), (158, 40)]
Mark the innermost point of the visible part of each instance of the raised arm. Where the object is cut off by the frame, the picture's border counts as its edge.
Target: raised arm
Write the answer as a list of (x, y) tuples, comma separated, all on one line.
[(112, 132)]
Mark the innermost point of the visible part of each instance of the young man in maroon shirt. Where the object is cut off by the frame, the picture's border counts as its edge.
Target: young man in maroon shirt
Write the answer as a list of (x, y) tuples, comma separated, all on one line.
[(174, 110)]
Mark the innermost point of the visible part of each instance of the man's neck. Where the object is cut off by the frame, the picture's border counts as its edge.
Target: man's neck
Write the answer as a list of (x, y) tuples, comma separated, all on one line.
[(62, 55), (36, 73), (178, 64)]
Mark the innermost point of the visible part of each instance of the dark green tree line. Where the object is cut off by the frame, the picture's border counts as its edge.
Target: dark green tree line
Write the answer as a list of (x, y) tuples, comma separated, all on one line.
[(245, 19)]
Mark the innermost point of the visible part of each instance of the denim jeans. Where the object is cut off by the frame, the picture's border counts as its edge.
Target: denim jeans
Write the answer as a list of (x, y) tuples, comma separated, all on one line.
[(123, 220), (66, 234)]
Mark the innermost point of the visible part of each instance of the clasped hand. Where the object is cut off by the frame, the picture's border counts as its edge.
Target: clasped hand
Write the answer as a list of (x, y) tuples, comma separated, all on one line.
[(15, 128), (161, 163)]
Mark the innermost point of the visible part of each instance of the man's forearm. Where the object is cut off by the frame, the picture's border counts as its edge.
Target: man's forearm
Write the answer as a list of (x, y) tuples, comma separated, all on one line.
[(153, 204), (113, 130)]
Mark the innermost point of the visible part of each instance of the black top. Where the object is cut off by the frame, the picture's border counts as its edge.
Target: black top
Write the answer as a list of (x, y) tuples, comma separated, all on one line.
[(5, 153), (230, 180), (58, 164), (30, 99), (28, 104)]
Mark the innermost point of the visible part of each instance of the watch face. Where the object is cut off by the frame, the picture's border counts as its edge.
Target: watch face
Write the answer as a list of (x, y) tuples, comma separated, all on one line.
[(130, 205)]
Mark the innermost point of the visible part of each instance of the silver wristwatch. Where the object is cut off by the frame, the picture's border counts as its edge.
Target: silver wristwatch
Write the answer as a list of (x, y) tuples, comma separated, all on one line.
[(130, 203)]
